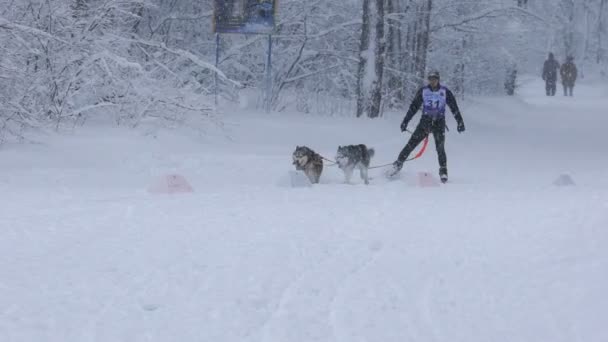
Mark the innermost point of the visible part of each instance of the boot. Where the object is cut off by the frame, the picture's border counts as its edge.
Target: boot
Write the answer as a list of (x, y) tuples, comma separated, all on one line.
[(443, 174), (394, 170)]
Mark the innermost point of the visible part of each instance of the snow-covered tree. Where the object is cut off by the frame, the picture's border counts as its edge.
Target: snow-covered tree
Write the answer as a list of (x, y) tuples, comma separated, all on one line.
[(371, 59), (63, 61)]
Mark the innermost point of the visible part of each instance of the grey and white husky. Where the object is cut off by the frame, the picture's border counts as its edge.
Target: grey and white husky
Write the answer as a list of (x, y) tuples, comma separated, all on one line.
[(308, 161), (353, 157)]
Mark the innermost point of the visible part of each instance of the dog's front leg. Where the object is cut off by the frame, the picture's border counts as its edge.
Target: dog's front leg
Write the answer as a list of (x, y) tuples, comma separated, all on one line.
[(364, 176), (348, 174)]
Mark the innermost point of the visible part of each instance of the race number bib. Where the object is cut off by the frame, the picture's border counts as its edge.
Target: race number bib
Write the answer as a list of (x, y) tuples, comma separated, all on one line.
[(434, 101)]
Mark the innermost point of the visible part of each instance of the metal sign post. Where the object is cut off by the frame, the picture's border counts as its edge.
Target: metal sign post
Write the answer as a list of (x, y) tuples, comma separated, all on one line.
[(246, 17), (268, 103), (217, 61)]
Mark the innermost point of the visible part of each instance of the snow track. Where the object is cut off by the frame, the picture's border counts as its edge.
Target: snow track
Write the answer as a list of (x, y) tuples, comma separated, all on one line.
[(498, 254)]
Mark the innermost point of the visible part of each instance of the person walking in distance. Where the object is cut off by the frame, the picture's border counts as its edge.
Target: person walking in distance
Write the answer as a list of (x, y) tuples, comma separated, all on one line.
[(550, 74), (568, 73), (433, 99)]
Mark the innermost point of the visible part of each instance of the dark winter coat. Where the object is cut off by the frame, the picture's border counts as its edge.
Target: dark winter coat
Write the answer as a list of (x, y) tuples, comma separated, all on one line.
[(550, 70), (418, 101), (568, 72)]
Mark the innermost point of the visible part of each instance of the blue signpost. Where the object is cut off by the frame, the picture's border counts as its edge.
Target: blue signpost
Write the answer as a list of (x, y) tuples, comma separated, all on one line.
[(217, 62), (246, 17), (269, 76)]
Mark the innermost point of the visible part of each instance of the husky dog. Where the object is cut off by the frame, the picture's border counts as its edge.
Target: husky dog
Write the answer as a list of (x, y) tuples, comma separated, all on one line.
[(308, 161), (354, 156)]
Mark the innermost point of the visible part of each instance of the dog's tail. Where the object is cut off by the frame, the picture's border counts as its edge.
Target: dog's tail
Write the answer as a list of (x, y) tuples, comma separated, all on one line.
[(371, 152)]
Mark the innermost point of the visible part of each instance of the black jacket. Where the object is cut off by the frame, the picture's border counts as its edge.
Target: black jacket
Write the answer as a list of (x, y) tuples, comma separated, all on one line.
[(550, 70), (417, 103)]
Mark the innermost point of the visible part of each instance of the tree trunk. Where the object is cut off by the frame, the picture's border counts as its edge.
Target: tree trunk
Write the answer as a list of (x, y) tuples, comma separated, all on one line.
[(459, 69), (600, 31), (569, 43), (461, 51), (363, 59), (422, 39), (380, 46), (371, 60), (394, 52), (410, 46), (586, 48), (409, 59)]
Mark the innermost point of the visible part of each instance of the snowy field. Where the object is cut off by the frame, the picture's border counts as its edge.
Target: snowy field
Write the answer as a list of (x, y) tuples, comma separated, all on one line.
[(498, 254)]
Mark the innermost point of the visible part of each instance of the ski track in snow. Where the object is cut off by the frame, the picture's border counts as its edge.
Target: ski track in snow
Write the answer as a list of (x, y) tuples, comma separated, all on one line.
[(306, 291), (498, 254)]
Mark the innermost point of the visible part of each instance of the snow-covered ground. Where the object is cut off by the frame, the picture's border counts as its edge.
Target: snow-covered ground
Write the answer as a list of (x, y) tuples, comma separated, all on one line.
[(498, 254)]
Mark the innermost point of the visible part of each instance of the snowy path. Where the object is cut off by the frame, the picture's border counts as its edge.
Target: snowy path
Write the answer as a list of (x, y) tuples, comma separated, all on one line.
[(499, 254)]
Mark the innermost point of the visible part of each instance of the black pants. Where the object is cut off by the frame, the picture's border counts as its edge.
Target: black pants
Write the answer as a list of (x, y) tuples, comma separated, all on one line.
[(551, 87), (425, 126), (568, 87)]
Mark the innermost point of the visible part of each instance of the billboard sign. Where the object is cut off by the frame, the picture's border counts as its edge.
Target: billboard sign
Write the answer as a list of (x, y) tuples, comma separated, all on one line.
[(244, 16)]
